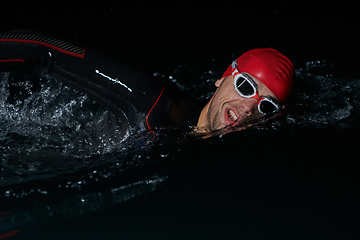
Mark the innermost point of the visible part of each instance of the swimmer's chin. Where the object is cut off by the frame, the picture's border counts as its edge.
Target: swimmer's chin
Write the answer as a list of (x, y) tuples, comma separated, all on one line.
[(228, 127), (204, 133), (206, 129)]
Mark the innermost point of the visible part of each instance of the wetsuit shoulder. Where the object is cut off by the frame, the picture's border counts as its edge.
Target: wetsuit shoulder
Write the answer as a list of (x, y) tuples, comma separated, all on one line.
[(175, 108)]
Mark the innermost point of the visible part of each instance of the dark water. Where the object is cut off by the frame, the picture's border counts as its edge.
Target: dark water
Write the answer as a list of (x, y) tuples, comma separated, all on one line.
[(291, 176)]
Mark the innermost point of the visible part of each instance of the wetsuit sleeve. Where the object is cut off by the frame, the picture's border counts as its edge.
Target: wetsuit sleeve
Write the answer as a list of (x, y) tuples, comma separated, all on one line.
[(110, 81)]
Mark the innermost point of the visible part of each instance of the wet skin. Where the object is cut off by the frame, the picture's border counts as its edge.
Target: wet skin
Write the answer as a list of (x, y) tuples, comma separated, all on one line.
[(227, 107)]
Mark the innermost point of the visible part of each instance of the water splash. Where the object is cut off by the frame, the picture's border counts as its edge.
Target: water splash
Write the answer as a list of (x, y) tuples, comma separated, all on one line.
[(325, 101), (43, 113)]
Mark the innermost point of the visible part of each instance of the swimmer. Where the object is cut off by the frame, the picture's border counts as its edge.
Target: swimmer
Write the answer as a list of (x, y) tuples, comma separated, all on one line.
[(255, 84)]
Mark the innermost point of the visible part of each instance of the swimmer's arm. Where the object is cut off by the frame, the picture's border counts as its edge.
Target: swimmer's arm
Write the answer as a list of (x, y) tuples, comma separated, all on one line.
[(80, 68)]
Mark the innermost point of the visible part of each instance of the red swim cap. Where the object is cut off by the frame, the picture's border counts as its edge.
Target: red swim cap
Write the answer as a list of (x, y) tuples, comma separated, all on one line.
[(269, 66)]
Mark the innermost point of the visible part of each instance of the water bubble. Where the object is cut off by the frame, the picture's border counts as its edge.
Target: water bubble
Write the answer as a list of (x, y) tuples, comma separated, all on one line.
[(42, 191)]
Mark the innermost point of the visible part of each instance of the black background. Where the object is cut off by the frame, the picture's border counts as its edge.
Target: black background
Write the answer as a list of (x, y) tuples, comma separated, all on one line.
[(158, 35), (265, 197)]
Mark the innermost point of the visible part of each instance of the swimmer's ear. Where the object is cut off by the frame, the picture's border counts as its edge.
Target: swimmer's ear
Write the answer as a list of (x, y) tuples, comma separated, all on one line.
[(218, 82)]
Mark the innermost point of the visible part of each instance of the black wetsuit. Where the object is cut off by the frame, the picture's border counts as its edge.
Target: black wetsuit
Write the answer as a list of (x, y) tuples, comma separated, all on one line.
[(143, 99)]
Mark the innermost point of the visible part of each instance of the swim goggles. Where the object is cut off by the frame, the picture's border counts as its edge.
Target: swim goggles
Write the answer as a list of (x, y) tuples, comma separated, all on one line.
[(247, 88)]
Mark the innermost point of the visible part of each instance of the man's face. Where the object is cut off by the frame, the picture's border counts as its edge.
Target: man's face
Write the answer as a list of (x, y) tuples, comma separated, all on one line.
[(227, 107)]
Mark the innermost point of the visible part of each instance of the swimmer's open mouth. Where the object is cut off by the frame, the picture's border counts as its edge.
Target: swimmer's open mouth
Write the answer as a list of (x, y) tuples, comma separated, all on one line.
[(232, 115)]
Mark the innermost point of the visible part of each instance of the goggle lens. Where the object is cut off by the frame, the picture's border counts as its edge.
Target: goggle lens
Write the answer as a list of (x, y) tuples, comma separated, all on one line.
[(267, 107), (245, 87)]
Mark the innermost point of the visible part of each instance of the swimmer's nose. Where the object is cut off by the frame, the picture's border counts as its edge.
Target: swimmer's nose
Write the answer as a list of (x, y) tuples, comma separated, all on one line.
[(249, 106)]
